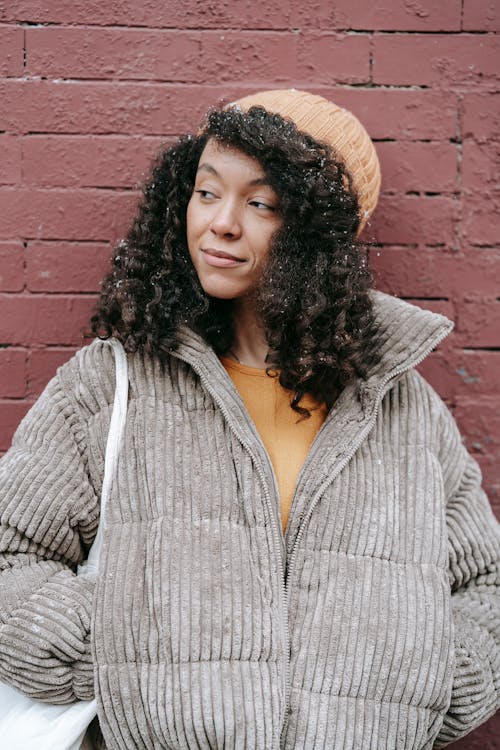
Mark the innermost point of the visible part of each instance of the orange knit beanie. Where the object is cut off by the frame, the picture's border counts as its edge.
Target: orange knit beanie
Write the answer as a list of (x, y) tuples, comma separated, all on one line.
[(341, 130)]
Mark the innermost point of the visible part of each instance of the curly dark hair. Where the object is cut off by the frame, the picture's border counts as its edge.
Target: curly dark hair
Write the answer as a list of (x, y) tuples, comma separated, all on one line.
[(313, 297)]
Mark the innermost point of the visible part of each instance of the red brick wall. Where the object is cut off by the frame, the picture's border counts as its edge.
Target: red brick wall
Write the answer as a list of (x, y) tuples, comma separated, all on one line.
[(89, 92)]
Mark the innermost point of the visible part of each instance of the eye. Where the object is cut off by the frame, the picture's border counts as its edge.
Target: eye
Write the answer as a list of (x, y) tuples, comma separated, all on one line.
[(262, 206), (205, 194)]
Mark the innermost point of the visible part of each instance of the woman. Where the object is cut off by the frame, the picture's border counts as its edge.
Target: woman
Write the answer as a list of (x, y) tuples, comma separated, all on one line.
[(298, 553)]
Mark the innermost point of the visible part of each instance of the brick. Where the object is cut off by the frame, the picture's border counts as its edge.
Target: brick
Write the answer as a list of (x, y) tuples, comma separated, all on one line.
[(426, 15), (481, 196), (462, 373), (10, 163), (11, 266), (66, 214), (480, 165), (438, 374), (348, 57), (12, 44), (478, 372), (400, 114), (481, 116), (66, 267), (479, 422), (251, 55), (481, 15), (437, 272), (169, 109), (480, 218), (478, 324), (406, 59), (190, 13), (441, 307), (38, 319), (421, 167), (112, 53), (183, 56), (11, 413), (12, 373), (42, 365), (413, 220), (87, 161), (129, 108), (389, 15)]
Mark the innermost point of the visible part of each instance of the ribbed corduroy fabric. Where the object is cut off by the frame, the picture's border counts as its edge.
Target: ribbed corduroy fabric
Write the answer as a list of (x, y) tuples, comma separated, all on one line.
[(386, 634)]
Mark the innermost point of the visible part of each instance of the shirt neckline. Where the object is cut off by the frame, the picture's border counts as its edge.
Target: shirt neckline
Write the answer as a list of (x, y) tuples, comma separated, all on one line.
[(231, 364)]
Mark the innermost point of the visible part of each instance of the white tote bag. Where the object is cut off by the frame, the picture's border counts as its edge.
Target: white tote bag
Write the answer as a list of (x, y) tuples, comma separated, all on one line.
[(26, 724)]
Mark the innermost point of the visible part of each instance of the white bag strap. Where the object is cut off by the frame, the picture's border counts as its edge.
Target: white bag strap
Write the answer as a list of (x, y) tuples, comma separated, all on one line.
[(89, 568)]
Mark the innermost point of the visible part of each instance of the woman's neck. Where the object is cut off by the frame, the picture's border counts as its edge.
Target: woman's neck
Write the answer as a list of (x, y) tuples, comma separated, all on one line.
[(249, 345)]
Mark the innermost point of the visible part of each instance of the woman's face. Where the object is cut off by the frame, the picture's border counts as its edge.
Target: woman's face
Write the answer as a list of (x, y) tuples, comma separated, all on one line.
[(232, 216)]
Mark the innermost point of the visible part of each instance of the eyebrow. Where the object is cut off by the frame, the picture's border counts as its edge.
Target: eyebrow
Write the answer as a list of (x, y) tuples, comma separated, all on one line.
[(208, 168)]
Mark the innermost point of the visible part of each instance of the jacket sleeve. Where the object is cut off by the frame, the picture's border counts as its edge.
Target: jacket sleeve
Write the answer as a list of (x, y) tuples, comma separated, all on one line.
[(48, 517), (474, 571)]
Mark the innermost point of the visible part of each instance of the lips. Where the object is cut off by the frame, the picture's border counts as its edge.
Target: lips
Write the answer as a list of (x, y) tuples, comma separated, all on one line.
[(219, 254), (220, 259)]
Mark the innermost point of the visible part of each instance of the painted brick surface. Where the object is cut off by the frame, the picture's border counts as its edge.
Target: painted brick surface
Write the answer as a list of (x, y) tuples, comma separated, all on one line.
[(88, 161), (417, 166), (480, 165), (29, 319), (89, 93), (403, 218), (10, 164), (481, 116), (65, 266), (436, 59), (433, 272), (42, 364), (463, 373), (130, 108), (12, 44), (481, 15), (64, 214), (12, 412), (11, 266), (13, 373), (392, 15)]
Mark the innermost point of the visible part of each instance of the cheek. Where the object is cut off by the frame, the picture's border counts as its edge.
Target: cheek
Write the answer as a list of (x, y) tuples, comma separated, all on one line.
[(265, 245), (190, 218)]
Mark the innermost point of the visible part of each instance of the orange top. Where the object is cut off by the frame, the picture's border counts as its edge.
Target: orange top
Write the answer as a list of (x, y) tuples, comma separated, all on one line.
[(286, 437)]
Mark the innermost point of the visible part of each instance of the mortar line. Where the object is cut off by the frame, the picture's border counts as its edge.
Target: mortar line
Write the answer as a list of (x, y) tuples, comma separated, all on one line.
[(277, 29)]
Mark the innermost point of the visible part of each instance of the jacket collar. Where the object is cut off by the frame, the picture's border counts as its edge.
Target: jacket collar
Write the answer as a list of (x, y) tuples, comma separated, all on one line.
[(406, 334)]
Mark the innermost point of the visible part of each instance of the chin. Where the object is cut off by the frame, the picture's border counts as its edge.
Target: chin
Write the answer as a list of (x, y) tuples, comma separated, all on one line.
[(221, 288), (221, 291)]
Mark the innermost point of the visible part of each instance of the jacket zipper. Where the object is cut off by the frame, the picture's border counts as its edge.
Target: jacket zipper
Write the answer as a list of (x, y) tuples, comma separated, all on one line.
[(278, 536), (354, 447), (277, 533)]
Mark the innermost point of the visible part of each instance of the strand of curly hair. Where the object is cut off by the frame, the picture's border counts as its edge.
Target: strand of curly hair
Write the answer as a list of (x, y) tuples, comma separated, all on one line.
[(313, 297)]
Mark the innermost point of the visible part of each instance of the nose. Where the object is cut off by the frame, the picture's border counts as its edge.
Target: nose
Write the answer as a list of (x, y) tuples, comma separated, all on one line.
[(226, 221)]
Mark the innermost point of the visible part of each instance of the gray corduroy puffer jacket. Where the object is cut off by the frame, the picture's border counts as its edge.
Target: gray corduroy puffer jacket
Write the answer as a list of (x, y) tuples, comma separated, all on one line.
[(374, 622)]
